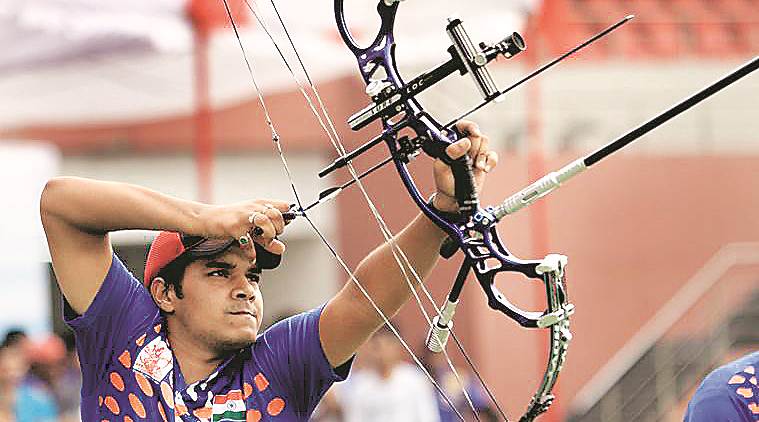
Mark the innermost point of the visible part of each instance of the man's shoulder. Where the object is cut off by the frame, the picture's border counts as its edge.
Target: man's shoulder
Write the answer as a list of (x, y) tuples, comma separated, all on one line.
[(120, 295), (300, 323), (727, 387), (731, 372)]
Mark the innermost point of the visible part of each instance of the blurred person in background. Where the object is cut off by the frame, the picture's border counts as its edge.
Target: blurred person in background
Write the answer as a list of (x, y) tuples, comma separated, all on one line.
[(329, 409), (20, 399), (69, 384), (437, 365), (16, 338), (187, 342), (729, 393), (385, 387)]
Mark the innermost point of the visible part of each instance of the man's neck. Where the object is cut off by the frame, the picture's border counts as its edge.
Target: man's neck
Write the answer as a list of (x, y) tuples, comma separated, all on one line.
[(386, 371), (195, 360)]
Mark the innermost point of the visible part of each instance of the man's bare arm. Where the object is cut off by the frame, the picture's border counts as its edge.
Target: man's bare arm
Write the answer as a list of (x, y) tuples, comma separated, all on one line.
[(78, 214), (349, 320)]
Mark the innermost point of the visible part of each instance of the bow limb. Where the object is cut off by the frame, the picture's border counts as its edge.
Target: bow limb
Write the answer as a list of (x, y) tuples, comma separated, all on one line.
[(394, 104)]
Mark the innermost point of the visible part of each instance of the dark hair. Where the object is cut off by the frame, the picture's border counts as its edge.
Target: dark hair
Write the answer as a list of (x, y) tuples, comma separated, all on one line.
[(14, 336), (173, 274)]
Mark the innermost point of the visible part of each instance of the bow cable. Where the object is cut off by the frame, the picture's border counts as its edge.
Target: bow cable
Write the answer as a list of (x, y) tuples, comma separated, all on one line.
[(385, 231), (339, 147), (389, 237)]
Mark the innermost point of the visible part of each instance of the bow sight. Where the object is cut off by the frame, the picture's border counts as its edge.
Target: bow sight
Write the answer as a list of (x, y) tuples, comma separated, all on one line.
[(388, 99)]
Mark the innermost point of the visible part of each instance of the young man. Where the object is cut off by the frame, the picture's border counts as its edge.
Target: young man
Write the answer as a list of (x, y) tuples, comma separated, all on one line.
[(186, 346)]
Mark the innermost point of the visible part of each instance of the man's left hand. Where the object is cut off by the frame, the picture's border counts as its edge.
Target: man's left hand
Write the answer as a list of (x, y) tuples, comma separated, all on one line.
[(477, 146)]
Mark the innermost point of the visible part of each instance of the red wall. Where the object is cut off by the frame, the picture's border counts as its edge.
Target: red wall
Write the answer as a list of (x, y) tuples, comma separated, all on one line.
[(634, 228)]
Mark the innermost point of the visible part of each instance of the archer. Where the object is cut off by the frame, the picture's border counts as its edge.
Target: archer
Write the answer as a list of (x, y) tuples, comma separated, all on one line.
[(187, 342)]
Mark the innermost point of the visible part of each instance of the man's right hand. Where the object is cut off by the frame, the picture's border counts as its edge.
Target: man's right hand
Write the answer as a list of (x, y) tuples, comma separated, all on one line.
[(78, 214), (240, 221)]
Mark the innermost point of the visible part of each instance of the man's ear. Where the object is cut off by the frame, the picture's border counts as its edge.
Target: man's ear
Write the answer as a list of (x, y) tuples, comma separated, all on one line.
[(163, 294)]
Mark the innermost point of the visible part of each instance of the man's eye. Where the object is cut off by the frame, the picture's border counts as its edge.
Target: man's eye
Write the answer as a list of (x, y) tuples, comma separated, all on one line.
[(254, 277), (219, 273)]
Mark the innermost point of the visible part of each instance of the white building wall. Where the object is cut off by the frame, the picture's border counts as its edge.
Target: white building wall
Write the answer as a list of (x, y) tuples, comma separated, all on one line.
[(25, 302), (583, 105)]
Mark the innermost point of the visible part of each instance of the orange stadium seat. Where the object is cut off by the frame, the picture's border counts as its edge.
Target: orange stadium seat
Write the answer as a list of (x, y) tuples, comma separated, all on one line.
[(663, 28)]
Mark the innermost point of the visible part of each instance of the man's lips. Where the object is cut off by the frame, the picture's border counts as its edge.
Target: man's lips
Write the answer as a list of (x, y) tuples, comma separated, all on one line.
[(251, 313)]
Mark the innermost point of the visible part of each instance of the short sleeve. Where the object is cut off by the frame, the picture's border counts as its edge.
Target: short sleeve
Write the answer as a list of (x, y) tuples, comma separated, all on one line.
[(121, 308), (713, 406), (299, 359), (714, 400)]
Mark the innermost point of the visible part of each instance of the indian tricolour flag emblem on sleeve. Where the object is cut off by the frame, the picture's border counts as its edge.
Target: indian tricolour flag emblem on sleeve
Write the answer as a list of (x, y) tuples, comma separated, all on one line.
[(229, 407)]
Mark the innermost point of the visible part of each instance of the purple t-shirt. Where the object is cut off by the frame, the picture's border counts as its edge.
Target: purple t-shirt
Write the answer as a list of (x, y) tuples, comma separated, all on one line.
[(129, 372), (730, 393)]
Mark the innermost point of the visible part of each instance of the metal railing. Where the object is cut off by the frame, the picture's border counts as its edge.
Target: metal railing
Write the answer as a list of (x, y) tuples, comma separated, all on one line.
[(672, 351)]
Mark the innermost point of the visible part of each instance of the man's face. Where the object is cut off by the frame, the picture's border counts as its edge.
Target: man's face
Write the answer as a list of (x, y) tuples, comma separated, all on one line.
[(222, 304), (13, 366)]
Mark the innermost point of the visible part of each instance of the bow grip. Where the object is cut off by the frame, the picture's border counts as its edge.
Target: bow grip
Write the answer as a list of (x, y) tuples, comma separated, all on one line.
[(463, 176)]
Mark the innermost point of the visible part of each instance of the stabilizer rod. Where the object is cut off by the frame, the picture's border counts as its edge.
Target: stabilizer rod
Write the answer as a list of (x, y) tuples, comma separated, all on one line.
[(553, 180)]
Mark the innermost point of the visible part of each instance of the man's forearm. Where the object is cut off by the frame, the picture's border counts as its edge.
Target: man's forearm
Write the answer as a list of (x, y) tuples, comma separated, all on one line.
[(379, 272), (98, 207), (78, 214)]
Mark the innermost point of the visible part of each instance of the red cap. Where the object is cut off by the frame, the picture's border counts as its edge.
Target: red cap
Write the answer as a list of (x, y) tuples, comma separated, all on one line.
[(168, 246), (48, 350)]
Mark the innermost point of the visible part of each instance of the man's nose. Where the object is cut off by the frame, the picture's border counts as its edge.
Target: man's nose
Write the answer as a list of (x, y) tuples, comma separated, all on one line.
[(244, 289)]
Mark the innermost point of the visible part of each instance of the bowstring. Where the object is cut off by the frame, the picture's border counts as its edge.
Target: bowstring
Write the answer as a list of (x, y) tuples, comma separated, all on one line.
[(335, 140), (276, 140), (337, 144)]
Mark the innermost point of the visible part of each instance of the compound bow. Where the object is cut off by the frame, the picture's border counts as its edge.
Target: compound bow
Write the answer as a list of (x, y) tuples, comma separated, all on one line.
[(472, 230)]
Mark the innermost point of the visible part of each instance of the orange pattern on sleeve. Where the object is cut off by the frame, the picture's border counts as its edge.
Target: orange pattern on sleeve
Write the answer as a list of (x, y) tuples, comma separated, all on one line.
[(162, 412), (261, 381), (745, 392), (275, 407), (168, 395), (137, 405), (203, 413), (112, 405), (144, 384), (117, 381), (140, 341), (126, 359), (247, 390), (252, 415)]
